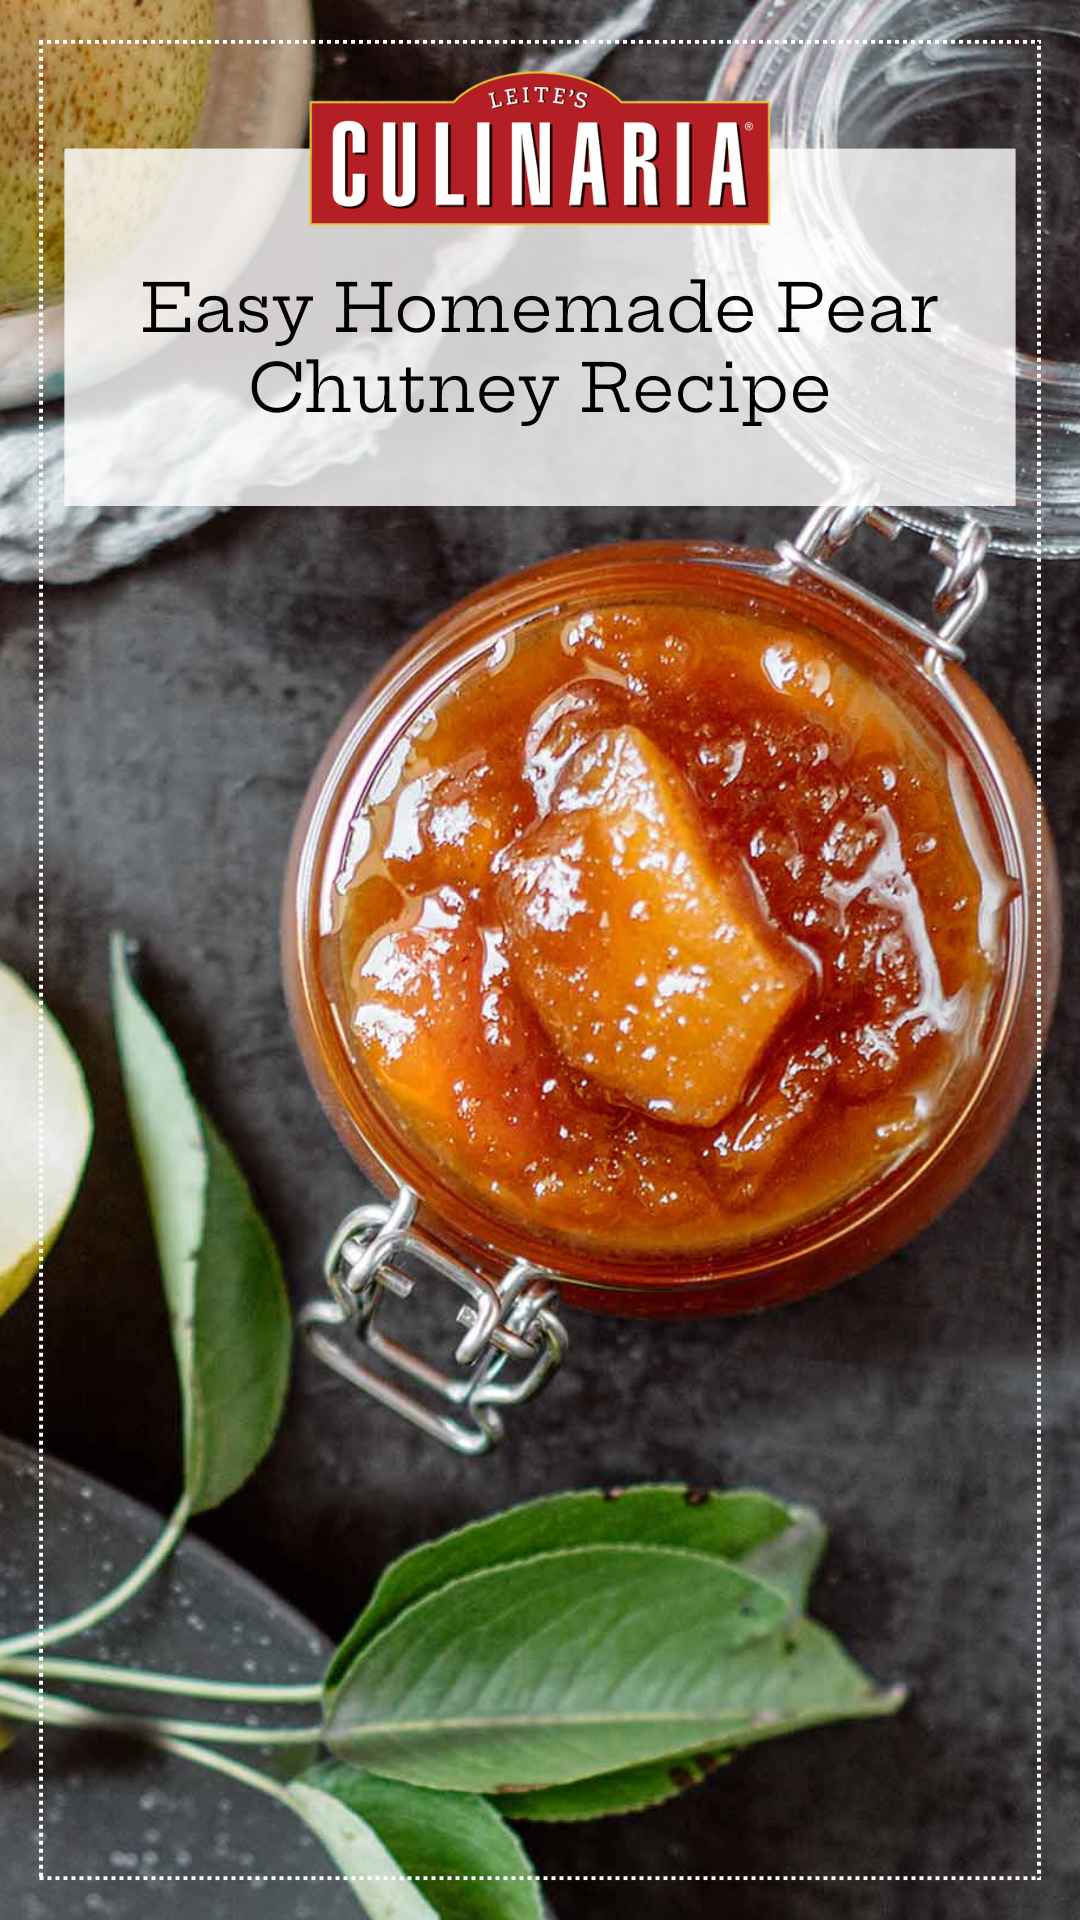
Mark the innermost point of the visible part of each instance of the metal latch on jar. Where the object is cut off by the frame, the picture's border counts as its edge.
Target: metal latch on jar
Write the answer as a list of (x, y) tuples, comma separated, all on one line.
[(961, 591), (508, 1320)]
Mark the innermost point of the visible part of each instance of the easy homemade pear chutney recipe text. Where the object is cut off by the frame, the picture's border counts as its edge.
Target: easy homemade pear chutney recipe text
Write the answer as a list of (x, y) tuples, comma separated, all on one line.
[(666, 926), (382, 308)]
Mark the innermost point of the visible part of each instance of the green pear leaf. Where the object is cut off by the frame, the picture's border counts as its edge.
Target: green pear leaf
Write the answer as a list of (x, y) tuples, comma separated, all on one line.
[(382, 1890), (628, 1790), (554, 1668), (587, 1661), (812, 1682), (228, 1309), (742, 1526), (447, 1854)]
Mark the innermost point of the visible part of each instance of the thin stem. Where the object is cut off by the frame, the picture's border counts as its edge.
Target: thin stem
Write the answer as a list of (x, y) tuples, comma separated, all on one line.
[(19, 1704), (109, 1602), (152, 1728), (95, 1673)]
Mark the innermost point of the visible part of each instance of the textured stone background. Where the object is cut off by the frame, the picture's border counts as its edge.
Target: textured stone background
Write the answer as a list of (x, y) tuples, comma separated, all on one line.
[(187, 703)]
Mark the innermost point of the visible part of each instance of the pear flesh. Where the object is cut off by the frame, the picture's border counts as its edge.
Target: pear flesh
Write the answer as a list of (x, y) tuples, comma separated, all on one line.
[(649, 960), (68, 1125)]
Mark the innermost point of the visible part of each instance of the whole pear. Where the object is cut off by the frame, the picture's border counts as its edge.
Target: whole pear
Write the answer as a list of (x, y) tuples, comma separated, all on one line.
[(96, 95)]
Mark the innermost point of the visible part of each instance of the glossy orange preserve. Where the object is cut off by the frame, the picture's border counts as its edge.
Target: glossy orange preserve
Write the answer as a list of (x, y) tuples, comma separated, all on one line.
[(666, 927)]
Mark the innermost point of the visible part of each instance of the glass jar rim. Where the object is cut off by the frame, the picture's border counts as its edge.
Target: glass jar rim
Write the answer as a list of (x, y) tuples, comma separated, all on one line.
[(801, 54)]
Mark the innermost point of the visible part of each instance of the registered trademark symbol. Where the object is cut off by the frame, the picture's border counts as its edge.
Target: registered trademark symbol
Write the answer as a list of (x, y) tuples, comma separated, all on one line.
[(748, 126)]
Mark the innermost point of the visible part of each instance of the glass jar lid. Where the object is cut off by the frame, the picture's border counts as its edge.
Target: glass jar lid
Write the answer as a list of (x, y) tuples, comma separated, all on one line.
[(950, 73)]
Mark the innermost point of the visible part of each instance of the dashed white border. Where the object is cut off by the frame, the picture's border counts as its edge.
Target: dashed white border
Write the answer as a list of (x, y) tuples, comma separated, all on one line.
[(41, 934), (549, 42), (1040, 851)]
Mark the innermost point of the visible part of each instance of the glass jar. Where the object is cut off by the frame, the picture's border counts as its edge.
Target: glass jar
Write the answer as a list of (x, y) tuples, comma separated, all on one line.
[(945, 73), (838, 73), (511, 1271)]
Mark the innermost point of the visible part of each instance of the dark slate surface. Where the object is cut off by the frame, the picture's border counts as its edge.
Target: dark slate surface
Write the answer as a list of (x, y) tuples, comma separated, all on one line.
[(111, 1807), (187, 703)]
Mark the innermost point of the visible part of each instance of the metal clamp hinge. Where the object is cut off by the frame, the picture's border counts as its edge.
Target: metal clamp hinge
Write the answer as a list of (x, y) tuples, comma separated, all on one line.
[(507, 1320), (960, 594)]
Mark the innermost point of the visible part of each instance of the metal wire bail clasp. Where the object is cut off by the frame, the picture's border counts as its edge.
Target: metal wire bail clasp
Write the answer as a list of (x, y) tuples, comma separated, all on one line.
[(960, 594), (378, 1250)]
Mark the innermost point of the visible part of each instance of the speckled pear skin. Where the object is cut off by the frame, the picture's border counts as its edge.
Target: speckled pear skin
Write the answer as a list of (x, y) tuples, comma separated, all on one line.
[(95, 96)]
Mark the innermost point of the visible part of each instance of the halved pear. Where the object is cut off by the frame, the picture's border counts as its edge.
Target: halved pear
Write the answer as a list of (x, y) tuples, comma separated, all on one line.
[(117, 73), (68, 1129)]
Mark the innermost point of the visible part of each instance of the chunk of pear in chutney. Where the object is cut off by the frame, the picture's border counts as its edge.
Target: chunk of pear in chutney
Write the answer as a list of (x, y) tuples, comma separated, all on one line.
[(132, 95), (446, 1042), (649, 961)]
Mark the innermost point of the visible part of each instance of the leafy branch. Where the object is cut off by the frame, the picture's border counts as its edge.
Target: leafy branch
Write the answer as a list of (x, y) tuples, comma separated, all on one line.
[(576, 1656)]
